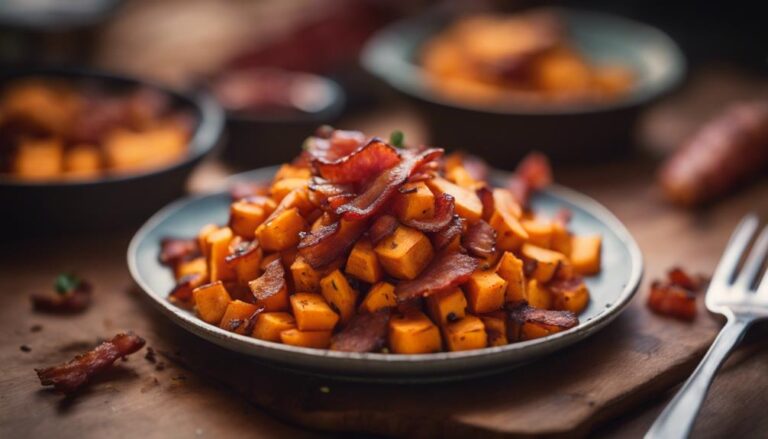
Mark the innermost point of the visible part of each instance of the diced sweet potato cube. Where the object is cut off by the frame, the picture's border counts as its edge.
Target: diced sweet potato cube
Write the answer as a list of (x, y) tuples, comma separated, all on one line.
[(539, 232), (339, 294), (202, 238), (511, 270), (290, 171), (39, 159), (273, 302), (281, 232), (193, 266), (510, 234), (547, 261), (312, 312), (382, 295), (82, 161), (414, 201), (495, 328), (413, 333), (237, 316), (467, 203), (569, 295), (298, 198), (281, 188), (447, 307), (465, 334), (305, 278), (505, 203), (211, 301), (269, 325), (538, 296), (306, 339), (363, 263), (585, 254), (245, 259), (561, 238), (485, 291), (218, 243), (404, 253), (460, 176), (245, 216)]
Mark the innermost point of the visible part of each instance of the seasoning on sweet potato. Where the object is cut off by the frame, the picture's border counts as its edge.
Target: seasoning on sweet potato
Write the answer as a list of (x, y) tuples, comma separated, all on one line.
[(341, 297), (414, 201), (569, 294), (306, 339), (485, 291), (509, 232), (312, 312), (465, 334), (510, 269), (305, 278), (381, 295), (363, 263), (546, 260), (269, 325), (211, 301), (405, 253), (238, 317), (537, 295), (413, 333), (246, 258), (495, 328), (585, 254), (447, 307), (282, 231)]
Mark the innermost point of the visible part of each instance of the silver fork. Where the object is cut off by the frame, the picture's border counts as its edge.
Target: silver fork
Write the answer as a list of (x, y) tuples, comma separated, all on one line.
[(734, 297)]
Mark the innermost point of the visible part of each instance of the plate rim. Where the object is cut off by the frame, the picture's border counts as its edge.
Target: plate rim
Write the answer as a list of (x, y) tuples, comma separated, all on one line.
[(246, 345)]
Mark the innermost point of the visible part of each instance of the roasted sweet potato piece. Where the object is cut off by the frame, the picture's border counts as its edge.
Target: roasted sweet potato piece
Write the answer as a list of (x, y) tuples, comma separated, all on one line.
[(181, 294), (527, 323), (413, 333), (271, 289), (537, 295), (245, 258), (447, 307), (569, 294), (247, 214), (312, 312), (465, 334), (539, 232), (39, 159), (561, 238), (291, 171), (510, 234), (283, 187), (495, 328), (547, 261), (405, 253), (381, 295), (218, 243), (82, 161), (414, 201), (305, 278), (307, 339), (211, 301), (510, 268), (282, 231), (238, 317), (585, 254), (269, 325), (341, 297), (363, 263), (196, 265), (467, 203), (485, 291), (202, 238)]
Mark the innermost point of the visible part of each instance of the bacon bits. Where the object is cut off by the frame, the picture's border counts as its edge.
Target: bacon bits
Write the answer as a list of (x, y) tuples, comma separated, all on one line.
[(675, 297), (368, 160), (527, 323), (534, 172), (68, 377), (384, 226), (270, 283), (364, 333), (444, 272), (73, 295), (444, 211), (330, 242), (480, 239), (175, 250), (447, 234)]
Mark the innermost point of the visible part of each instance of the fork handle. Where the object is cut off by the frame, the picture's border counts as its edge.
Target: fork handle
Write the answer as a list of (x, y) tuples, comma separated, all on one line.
[(677, 418)]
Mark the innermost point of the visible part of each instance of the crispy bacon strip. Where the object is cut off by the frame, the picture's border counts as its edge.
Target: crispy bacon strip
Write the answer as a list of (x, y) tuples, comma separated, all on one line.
[(677, 276), (523, 313), (444, 211), (533, 173), (480, 239), (175, 250), (70, 302), (330, 242), (446, 271), (486, 197), (385, 185), (269, 283), (444, 236), (384, 226), (675, 297), (364, 333), (360, 165), (181, 294), (332, 146), (70, 376)]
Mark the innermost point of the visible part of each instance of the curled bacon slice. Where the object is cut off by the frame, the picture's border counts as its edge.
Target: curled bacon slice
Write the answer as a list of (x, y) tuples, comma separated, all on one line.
[(269, 283), (552, 320), (385, 185), (70, 376), (384, 226), (678, 276), (332, 146), (480, 239), (360, 165), (328, 243), (446, 271), (175, 250), (364, 333), (76, 300), (444, 236), (181, 294), (486, 197), (444, 211), (533, 173)]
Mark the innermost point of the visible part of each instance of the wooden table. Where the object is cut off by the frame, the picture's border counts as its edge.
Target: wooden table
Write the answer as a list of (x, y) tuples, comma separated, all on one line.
[(139, 398)]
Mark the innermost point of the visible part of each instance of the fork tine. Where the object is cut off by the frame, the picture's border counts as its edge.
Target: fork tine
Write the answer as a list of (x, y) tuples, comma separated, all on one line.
[(754, 260), (736, 246)]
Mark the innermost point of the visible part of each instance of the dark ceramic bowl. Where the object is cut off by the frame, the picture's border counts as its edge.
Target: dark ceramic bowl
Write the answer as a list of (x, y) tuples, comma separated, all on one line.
[(111, 200), (263, 138), (504, 133)]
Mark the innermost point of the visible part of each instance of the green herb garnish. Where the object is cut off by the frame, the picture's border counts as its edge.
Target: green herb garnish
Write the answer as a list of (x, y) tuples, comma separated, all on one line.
[(66, 282), (397, 139)]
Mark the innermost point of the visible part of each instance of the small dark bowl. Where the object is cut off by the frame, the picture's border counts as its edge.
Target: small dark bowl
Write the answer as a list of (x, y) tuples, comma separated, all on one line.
[(504, 133), (257, 139), (112, 200)]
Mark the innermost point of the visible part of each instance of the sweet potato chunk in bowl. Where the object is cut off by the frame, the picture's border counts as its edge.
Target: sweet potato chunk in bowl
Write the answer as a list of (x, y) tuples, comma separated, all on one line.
[(418, 254)]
